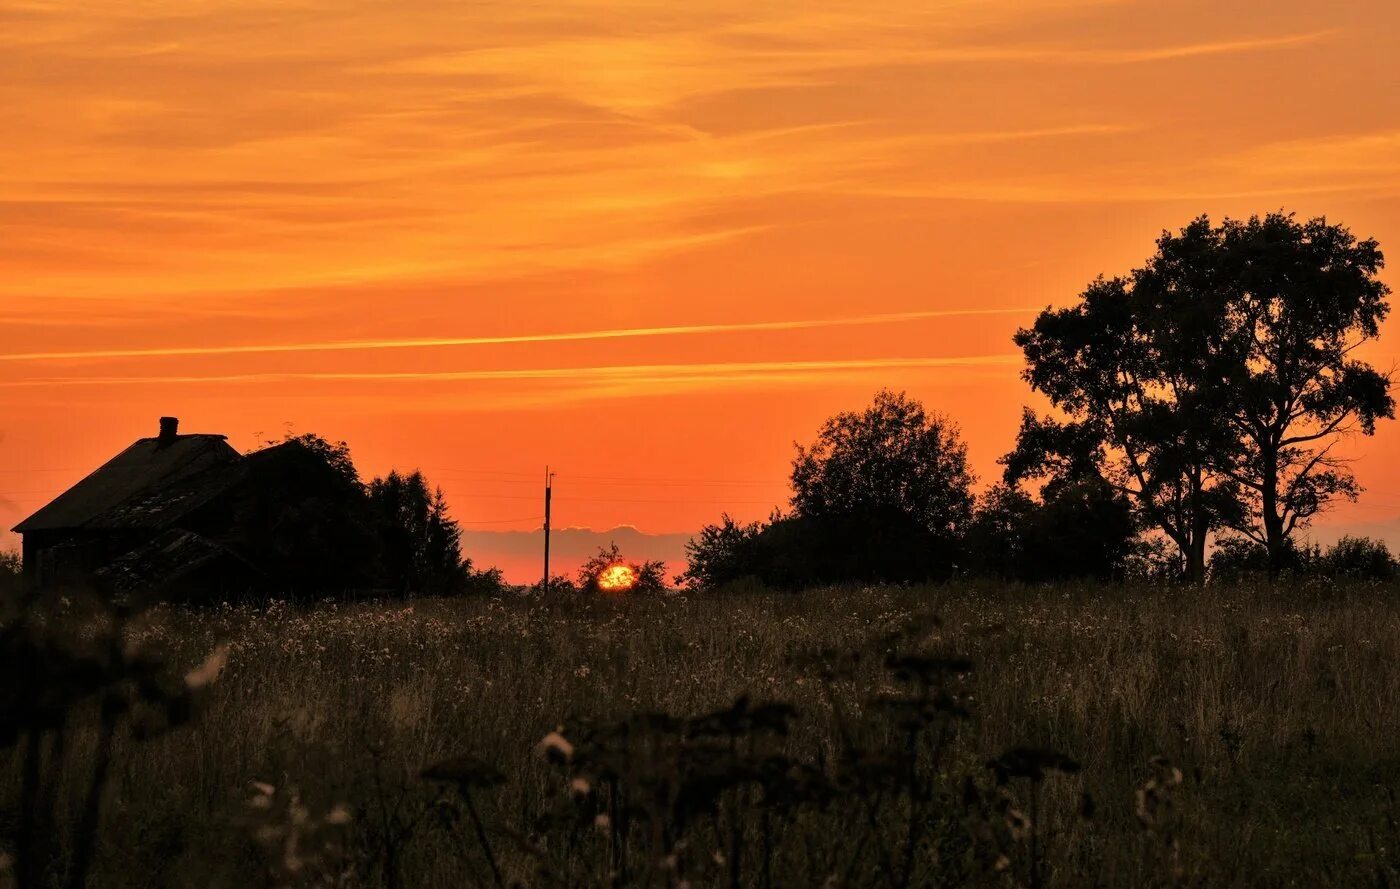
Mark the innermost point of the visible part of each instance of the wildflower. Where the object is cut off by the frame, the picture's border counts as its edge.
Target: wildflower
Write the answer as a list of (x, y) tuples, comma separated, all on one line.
[(555, 745), (1018, 824), (208, 671), (338, 815)]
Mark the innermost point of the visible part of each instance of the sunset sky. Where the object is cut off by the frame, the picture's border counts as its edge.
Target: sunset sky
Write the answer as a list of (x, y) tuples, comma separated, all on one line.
[(647, 242)]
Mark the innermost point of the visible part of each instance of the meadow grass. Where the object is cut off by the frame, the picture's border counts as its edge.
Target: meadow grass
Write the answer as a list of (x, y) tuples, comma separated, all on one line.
[(1226, 736)]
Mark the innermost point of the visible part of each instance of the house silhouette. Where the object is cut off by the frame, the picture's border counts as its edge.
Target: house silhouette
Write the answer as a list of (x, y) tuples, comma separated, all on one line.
[(179, 515)]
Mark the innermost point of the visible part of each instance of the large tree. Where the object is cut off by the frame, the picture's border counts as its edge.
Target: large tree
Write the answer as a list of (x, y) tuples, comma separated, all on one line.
[(1218, 377), (1282, 306), (891, 458), (1139, 408)]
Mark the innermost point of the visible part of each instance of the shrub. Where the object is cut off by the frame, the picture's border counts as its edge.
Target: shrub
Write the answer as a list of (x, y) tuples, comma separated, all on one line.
[(11, 575), (1358, 558), (1079, 529), (1238, 558), (796, 552), (721, 554), (1350, 558)]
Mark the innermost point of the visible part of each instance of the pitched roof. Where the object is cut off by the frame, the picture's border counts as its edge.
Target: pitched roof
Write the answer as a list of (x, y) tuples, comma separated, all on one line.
[(165, 504), (149, 463)]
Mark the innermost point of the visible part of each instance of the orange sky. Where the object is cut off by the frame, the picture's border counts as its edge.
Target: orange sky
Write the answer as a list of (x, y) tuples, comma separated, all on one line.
[(647, 242)]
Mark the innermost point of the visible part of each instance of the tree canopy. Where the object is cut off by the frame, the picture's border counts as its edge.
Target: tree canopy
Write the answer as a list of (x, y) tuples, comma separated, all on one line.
[(1211, 384), (892, 458), (420, 543)]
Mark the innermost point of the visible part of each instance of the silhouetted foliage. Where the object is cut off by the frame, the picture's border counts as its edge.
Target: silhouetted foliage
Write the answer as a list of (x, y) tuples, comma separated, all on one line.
[(335, 454), (1080, 529), (76, 697), (796, 552), (1359, 558), (1081, 526), (11, 573), (890, 459), (315, 528), (1285, 305), (420, 544), (650, 576), (1137, 407), (482, 581), (559, 585), (884, 494), (1214, 380), (721, 554), (1239, 558)]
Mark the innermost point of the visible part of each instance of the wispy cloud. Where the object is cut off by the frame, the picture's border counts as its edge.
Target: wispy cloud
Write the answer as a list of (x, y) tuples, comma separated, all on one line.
[(567, 336), (632, 373)]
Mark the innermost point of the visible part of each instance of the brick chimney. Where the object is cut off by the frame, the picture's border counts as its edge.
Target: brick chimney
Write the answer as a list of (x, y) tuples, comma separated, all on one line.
[(169, 428)]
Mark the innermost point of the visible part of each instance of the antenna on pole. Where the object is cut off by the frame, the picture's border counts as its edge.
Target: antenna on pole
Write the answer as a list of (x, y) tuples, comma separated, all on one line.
[(548, 497)]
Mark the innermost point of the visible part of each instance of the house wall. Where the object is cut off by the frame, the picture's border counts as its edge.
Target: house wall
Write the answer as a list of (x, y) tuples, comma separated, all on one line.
[(64, 558)]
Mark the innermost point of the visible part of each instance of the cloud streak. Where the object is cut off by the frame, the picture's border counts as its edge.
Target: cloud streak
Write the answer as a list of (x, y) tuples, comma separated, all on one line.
[(573, 336), (636, 373)]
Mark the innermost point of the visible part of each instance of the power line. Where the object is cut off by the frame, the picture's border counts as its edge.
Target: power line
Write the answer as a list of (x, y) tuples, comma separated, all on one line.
[(480, 496), (508, 477), (627, 480), (528, 518)]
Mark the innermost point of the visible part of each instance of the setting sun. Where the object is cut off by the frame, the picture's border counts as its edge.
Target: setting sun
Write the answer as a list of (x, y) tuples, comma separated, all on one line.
[(617, 579)]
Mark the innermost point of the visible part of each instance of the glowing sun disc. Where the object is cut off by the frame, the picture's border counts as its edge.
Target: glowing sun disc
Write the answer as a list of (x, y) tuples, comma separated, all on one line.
[(617, 578)]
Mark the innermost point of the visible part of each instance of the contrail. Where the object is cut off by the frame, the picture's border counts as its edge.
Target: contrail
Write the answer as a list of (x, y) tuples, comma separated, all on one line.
[(632, 372), (440, 342)]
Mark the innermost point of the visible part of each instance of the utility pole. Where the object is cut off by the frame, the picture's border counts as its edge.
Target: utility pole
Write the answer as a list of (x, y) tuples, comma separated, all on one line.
[(548, 497)]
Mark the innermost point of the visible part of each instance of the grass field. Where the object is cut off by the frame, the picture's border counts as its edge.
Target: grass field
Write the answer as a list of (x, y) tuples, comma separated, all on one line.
[(1273, 717)]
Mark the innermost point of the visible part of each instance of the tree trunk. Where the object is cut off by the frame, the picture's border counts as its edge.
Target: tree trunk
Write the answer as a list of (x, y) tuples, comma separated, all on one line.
[(1275, 541), (1196, 560), (1200, 530)]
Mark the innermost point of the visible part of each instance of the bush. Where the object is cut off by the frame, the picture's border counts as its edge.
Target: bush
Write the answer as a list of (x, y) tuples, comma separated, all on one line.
[(722, 554), (1350, 558), (1238, 558), (1358, 558), (11, 576), (483, 582), (1079, 529), (795, 552)]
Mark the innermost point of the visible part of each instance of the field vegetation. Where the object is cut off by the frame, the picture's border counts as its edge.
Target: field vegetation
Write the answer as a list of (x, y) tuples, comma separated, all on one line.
[(1094, 735)]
